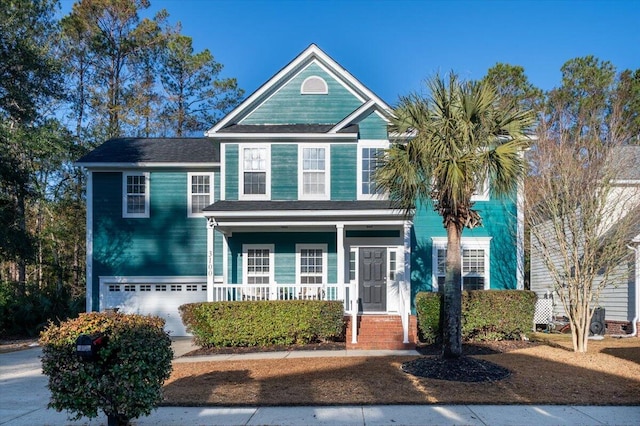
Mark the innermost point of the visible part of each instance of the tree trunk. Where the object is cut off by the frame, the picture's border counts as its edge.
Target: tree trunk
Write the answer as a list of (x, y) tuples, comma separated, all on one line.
[(452, 332)]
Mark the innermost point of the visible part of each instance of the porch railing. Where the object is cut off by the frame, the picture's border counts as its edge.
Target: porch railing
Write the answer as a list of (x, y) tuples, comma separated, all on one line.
[(247, 292)]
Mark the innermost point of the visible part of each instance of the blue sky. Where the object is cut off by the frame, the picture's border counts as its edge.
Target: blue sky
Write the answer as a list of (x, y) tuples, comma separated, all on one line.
[(392, 46)]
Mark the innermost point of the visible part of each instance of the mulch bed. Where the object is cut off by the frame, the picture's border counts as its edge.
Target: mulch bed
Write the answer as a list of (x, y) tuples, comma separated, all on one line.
[(323, 346)]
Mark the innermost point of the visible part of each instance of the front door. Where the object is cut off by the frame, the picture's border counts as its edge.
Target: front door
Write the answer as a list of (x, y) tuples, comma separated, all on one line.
[(373, 279)]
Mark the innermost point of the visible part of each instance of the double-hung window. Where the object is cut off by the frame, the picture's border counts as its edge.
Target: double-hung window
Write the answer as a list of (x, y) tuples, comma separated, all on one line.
[(369, 154), (311, 262), (254, 175), (200, 189), (135, 195), (475, 263), (258, 265), (314, 173)]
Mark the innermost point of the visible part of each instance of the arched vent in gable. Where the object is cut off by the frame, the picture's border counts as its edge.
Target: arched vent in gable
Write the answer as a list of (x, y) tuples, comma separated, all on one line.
[(314, 85)]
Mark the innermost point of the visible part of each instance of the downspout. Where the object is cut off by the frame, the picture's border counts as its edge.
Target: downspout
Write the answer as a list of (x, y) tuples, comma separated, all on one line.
[(634, 322)]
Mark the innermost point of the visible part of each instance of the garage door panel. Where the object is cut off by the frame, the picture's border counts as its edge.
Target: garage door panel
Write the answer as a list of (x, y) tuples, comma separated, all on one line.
[(156, 299)]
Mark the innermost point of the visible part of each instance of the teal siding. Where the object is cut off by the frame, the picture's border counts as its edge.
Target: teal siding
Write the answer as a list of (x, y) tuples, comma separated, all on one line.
[(167, 243), (284, 172), (288, 106), (373, 127), (231, 171), (344, 185), (499, 218), (285, 252)]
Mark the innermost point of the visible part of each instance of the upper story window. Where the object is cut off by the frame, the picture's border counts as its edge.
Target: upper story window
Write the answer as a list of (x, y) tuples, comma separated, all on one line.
[(254, 173), (314, 85), (314, 173), (200, 190), (475, 263), (369, 153), (135, 195)]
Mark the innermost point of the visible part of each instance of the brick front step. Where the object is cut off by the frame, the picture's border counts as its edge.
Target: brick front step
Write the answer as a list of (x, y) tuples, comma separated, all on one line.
[(382, 332)]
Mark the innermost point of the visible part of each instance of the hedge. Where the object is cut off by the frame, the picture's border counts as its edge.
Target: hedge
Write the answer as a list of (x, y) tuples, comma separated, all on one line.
[(263, 323), (486, 314)]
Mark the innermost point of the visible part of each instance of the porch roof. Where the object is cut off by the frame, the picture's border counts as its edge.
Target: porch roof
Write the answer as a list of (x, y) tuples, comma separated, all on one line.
[(257, 213)]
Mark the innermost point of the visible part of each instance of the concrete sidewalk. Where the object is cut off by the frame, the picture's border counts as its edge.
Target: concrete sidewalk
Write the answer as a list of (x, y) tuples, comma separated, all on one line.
[(24, 397)]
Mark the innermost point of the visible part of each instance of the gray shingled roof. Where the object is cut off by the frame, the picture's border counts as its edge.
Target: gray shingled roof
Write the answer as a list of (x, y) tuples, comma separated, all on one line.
[(245, 206), (629, 159), (285, 128), (154, 150)]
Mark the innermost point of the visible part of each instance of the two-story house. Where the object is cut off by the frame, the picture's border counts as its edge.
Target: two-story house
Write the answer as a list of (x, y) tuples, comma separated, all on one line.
[(277, 202)]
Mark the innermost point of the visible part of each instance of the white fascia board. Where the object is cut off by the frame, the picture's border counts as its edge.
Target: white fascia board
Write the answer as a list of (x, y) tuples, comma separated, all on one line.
[(363, 109), (309, 52), (153, 279), (468, 241), (147, 165), (287, 136), (304, 213), (296, 225)]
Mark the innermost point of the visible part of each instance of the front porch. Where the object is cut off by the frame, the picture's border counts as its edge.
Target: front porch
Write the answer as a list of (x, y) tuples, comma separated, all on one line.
[(354, 252)]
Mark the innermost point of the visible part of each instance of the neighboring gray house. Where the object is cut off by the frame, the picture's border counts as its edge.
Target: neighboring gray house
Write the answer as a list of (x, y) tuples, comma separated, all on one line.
[(622, 300)]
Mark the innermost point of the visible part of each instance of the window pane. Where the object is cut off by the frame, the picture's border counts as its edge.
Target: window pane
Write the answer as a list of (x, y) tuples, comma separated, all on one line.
[(369, 163), (311, 267), (255, 183), (136, 194)]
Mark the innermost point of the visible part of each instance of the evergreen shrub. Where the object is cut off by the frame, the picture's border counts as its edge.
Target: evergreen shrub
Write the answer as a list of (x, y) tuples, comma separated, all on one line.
[(124, 381), (264, 323)]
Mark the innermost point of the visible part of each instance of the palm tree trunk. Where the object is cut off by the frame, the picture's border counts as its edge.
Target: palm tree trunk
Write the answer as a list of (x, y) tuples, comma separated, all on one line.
[(452, 332)]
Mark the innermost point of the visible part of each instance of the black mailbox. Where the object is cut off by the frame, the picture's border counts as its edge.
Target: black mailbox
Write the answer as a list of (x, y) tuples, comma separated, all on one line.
[(87, 346)]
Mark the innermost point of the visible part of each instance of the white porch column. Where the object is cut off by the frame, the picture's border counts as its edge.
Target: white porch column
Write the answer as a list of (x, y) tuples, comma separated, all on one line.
[(341, 250), (406, 281), (89, 246), (211, 226)]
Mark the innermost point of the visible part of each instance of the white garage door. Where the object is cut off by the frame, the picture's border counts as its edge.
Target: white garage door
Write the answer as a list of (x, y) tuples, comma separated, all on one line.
[(152, 298)]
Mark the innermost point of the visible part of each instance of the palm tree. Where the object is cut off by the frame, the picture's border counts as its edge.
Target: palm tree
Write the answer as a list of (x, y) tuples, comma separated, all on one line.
[(449, 144)]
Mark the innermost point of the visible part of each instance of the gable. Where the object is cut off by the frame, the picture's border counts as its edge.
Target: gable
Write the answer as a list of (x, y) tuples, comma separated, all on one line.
[(289, 106), (373, 127)]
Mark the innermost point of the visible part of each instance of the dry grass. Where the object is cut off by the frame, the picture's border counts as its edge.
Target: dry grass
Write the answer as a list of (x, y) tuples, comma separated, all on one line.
[(544, 374)]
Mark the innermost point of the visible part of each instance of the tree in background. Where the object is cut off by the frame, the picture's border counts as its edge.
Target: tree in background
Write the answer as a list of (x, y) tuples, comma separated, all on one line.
[(195, 97), (110, 40), (579, 217), (456, 138), (514, 87)]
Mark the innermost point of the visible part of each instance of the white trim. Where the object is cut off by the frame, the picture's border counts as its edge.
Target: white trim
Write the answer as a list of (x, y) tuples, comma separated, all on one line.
[(245, 271), (324, 91), (241, 194), (89, 244), (327, 173), (473, 243), (312, 51), (368, 143), (223, 171), (307, 213), (325, 262), (152, 279), (520, 235), (120, 166), (287, 136), (147, 195), (363, 110), (190, 194)]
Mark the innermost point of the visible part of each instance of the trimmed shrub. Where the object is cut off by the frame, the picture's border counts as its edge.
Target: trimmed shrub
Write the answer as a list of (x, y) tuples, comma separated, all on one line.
[(428, 312), (124, 381), (263, 323), (497, 314), (486, 314)]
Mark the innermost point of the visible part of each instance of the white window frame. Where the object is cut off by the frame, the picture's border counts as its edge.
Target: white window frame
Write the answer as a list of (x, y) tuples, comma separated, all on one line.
[(190, 192), (327, 172), (325, 264), (125, 195), (482, 193), (324, 91), (245, 261), (472, 243), (362, 144), (241, 171)]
